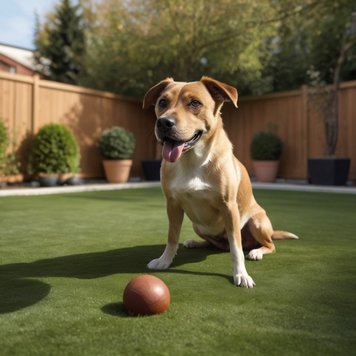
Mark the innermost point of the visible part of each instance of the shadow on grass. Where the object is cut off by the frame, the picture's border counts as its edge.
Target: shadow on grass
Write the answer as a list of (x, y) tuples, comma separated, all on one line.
[(115, 309), (19, 289)]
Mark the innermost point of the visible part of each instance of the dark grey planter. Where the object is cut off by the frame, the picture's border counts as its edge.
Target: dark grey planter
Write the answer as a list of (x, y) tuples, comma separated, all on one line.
[(328, 171), (151, 170), (74, 180), (49, 180)]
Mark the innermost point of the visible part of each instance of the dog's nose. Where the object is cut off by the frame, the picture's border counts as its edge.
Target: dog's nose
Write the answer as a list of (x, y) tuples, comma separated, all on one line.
[(165, 123)]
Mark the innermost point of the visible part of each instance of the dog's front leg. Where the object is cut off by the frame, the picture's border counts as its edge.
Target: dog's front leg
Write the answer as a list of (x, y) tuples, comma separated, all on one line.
[(233, 229), (175, 219)]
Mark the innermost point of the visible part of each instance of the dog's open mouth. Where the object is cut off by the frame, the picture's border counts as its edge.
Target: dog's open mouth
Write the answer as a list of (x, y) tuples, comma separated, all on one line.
[(172, 149)]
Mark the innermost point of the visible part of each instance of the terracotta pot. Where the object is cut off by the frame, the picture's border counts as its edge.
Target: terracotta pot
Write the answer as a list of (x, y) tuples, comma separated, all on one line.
[(117, 171), (265, 171)]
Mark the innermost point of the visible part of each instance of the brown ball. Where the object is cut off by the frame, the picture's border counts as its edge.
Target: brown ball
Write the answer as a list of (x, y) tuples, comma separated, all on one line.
[(145, 295)]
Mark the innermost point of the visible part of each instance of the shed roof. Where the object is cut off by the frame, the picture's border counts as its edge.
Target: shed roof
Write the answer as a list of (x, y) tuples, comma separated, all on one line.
[(21, 55)]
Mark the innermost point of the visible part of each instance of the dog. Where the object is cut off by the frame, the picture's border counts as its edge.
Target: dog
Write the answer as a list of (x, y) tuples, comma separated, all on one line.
[(201, 177)]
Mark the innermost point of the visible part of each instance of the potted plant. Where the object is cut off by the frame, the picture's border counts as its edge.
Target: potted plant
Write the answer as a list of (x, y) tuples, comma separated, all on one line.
[(329, 169), (54, 152), (323, 100), (117, 146), (266, 149)]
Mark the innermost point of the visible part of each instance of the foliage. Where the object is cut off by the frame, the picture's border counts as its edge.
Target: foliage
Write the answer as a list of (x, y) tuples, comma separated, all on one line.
[(310, 36), (257, 46), (54, 150), (3, 144), (324, 98), (266, 146), (117, 143), (60, 44), (136, 43), (9, 164)]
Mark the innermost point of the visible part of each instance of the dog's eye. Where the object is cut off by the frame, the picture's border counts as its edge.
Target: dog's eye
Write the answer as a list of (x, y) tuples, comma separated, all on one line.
[(194, 103), (163, 103)]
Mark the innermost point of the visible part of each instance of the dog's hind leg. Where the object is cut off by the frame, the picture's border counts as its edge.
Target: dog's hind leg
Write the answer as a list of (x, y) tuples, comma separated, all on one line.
[(196, 244), (221, 242), (261, 229)]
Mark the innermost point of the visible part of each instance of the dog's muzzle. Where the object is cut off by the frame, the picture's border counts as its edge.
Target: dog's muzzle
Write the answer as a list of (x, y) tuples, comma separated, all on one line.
[(173, 145)]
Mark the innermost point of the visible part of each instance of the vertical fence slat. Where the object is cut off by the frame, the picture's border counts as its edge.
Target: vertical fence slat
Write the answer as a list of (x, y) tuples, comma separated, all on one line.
[(35, 103)]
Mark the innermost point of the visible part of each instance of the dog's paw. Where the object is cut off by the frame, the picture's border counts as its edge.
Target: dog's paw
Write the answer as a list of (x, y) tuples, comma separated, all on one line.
[(255, 255), (244, 280), (159, 263)]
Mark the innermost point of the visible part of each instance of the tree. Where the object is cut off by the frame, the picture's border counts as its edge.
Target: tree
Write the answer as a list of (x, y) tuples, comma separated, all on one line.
[(325, 98), (258, 46), (135, 43), (310, 36), (60, 44)]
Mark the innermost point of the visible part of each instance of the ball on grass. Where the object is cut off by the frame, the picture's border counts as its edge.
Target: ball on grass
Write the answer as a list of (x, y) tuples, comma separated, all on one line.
[(146, 295)]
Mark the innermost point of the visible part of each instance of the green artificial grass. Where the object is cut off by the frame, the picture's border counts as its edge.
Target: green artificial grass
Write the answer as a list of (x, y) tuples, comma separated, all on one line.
[(66, 259)]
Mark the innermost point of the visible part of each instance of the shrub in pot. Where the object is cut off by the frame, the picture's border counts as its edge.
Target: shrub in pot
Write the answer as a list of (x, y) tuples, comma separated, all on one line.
[(266, 149), (117, 146), (54, 152), (324, 100)]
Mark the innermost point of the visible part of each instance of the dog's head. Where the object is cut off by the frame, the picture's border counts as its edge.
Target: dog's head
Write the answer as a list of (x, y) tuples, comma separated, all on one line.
[(187, 113)]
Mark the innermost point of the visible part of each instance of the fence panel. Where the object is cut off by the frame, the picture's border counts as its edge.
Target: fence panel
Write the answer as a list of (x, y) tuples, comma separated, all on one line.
[(255, 114), (301, 130), (27, 103)]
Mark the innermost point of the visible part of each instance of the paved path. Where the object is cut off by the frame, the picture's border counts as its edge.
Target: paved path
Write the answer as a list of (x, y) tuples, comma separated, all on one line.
[(104, 186), (306, 187)]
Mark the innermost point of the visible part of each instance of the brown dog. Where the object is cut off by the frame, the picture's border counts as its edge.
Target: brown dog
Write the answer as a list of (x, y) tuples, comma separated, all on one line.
[(201, 177)]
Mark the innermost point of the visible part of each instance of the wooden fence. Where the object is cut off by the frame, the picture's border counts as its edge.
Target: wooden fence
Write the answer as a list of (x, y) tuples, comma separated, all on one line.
[(27, 103), (300, 128)]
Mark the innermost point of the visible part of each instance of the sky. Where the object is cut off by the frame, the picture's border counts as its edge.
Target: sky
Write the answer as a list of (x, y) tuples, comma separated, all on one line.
[(17, 20)]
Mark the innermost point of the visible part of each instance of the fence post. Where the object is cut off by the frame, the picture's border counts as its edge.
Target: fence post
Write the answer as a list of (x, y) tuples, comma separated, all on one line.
[(35, 101)]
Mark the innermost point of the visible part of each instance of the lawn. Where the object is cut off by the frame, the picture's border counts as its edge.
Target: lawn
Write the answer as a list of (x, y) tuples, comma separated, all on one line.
[(65, 260)]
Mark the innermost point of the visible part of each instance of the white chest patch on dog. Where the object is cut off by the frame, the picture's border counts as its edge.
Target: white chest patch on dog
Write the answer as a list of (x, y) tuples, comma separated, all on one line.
[(184, 182), (197, 184)]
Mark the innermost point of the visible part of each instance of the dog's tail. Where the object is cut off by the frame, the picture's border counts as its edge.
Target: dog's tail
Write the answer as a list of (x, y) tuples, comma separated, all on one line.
[(283, 235)]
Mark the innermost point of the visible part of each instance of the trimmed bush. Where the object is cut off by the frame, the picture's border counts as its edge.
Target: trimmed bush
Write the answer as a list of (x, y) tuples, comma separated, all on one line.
[(117, 143), (266, 146), (54, 150)]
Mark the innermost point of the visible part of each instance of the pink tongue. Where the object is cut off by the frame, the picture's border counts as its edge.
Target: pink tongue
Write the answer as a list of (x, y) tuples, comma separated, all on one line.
[(172, 151)]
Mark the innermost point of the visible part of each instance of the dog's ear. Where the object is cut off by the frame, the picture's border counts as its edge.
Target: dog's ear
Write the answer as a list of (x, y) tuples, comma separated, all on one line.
[(152, 95), (220, 91)]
